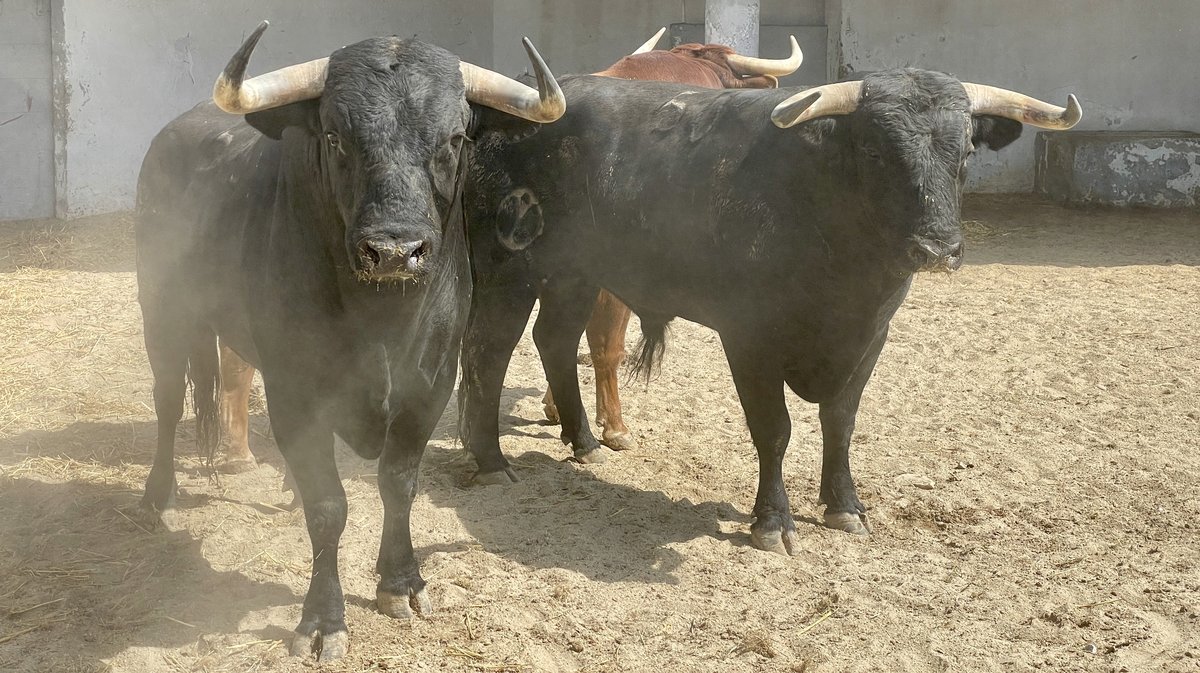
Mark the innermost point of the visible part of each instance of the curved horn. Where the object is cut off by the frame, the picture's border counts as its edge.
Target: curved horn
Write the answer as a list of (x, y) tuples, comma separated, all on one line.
[(829, 99), (236, 95), (749, 65), (651, 43), (508, 95), (990, 100)]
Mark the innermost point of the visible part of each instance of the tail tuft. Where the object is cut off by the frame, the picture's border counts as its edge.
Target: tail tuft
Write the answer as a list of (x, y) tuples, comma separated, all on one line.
[(204, 379), (652, 346)]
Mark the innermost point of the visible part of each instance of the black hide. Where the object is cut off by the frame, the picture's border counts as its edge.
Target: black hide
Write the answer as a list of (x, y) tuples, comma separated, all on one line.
[(258, 239), (794, 244)]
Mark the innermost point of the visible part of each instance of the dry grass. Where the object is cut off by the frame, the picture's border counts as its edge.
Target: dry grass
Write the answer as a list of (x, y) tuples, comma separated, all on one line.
[(976, 229), (87, 244)]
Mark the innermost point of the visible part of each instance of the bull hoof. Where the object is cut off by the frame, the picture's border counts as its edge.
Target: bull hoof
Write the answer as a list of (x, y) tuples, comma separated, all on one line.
[(849, 522), (551, 412), (328, 646), (399, 606), (595, 456), (620, 441), (497, 478), (785, 542), (149, 517), (237, 465)]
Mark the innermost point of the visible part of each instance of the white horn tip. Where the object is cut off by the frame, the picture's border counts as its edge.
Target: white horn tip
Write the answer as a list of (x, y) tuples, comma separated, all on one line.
[(1074, 111), (651, 43), (788, 113)]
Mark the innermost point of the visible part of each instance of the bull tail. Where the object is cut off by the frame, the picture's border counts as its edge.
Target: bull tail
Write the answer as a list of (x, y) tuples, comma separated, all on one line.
[(652, 346), (204, 380)]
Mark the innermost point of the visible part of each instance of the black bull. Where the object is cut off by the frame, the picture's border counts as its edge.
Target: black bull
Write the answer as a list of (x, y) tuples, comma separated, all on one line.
[(796, 245), (324, 242)]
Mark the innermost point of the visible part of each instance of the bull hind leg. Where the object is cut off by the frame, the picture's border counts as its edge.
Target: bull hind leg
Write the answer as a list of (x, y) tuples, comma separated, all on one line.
[(237, 379), (606, 339), (167, 349), (494, 327), (760, 388), (178, 351), (566, 306)]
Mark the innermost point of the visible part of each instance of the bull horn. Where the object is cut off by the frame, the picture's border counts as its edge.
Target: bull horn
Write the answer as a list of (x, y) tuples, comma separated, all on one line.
[(494, 90), (990, 100), (828, 99), (778, 67), (651, 43), (235, 94)]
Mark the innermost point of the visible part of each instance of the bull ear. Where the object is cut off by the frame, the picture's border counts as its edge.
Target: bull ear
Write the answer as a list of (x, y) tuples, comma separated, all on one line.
[(271, 123), (995, 132)]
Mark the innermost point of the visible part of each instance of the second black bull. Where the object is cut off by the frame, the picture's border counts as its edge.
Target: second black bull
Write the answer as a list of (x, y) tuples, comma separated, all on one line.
[(789, 221)]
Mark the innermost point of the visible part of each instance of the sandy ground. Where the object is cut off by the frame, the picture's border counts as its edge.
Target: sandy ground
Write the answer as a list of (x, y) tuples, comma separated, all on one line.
[(1029, 448)]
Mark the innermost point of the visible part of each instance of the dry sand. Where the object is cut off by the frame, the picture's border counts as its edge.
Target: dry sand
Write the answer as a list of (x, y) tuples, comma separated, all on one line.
[(1029, 448)]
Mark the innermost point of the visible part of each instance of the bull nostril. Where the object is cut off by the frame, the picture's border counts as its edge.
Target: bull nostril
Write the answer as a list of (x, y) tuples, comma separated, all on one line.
[(369, 255), (922, 254), (413, 251)]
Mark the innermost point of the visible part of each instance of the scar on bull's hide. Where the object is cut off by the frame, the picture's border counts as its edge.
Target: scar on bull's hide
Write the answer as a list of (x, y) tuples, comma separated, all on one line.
[(519, 219), (672, 113)]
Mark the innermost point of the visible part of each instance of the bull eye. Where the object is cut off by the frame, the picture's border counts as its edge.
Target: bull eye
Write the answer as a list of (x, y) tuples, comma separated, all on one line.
[(334, 141)]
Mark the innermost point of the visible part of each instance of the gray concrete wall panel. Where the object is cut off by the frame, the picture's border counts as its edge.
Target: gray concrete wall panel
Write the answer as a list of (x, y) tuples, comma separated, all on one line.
[(130, 66), (26, 117), (1131, 63)]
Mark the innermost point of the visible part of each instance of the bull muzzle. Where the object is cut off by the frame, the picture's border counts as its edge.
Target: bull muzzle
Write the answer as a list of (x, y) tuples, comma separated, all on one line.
[(386, 258), (930, 254)]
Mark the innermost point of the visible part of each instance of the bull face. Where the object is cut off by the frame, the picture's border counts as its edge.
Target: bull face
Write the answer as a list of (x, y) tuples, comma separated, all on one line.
[(392, 124), (911, 138), (910, 134)]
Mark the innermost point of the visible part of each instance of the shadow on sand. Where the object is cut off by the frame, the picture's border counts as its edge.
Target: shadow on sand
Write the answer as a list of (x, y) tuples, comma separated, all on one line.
[(77, 563), (104, 583)]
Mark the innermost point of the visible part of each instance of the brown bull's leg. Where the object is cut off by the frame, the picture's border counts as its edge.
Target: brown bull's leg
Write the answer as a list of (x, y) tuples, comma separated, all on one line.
[(237, 378), (606, 338), (548, 407)]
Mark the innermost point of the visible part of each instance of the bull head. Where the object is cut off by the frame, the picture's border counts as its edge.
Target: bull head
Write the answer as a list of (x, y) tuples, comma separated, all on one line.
[(910, 134), (388, 118)]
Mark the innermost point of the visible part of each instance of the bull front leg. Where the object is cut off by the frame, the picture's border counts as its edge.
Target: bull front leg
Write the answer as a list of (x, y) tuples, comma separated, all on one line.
[(401, 587), (843, 509), (306, 441), (760, 387)]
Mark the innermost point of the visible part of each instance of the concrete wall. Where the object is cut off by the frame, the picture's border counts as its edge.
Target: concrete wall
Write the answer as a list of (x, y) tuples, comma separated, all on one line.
[(26, 130), (1133, 64), (588, 35), (129, 66), (123, 68)]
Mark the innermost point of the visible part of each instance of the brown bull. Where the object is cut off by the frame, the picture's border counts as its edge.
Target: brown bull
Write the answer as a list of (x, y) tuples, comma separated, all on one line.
[(710, 66)]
